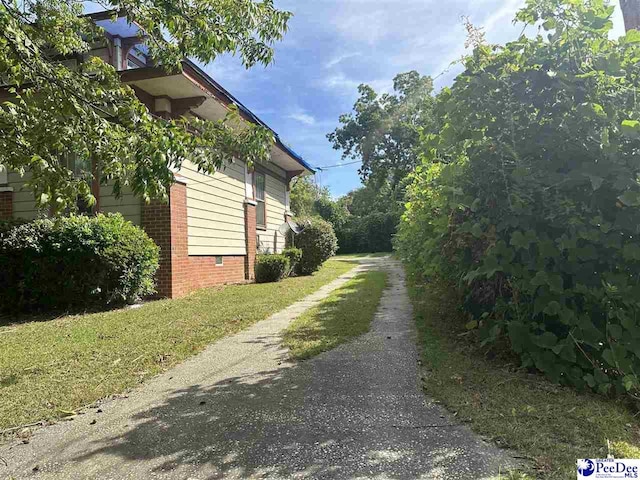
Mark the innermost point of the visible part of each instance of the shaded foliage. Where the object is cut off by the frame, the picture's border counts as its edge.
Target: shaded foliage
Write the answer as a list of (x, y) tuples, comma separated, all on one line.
[(75, 262), (271, 267), (528, 196)]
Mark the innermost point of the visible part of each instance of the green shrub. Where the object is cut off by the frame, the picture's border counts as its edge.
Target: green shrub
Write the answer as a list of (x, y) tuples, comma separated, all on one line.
[(352, 236), (294, 255), (369, 233), (529, 198), (271, 267), (6, 225), (318, 243), (76, 261)]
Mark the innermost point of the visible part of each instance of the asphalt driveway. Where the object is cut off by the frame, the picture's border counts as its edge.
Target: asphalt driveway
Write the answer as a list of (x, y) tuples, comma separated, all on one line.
[(241, 409)]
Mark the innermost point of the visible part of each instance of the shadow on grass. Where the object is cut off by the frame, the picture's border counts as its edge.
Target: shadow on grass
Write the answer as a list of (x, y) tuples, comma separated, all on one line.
[(8, 319)]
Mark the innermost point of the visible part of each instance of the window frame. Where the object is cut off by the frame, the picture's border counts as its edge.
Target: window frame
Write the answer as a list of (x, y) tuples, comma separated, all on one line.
[(72, 163), (260, 203)]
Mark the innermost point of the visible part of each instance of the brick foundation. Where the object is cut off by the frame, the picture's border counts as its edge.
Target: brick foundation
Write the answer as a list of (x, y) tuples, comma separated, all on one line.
[(179, 272), (6, 204)]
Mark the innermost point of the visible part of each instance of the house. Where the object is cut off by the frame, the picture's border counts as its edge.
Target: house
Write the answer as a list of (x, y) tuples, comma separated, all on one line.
[(213, 225)]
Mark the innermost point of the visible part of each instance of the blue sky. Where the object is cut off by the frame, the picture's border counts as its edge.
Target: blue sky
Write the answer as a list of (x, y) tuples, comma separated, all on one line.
[(334, 45)]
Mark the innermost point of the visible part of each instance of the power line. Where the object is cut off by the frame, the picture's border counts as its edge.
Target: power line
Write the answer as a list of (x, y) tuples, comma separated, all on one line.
[(338, 165)]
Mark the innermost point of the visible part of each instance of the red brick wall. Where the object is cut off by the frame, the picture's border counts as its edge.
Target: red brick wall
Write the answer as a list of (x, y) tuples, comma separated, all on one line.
[(202, 271), (6, 205), (156, 220), (251, 239), (180, 273)]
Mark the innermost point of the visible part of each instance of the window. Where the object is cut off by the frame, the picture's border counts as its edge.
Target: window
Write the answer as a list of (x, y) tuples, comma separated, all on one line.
[(81, 168), (219, 261), (261, 210)]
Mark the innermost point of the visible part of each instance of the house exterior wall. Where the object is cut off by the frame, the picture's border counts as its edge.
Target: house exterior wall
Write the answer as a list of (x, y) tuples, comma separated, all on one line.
[(24, 204), (215, 210), (181, 273), (270, 240), (129, 205)]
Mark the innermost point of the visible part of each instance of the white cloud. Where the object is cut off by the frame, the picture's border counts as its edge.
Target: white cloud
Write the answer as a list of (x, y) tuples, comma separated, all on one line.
[(341, 84), (339, 81), (368, 26), (340, 58), (500, 18), (302, 118)]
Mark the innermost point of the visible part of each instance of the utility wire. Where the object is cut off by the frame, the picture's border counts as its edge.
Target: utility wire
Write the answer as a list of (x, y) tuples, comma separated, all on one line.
[(338, 165)]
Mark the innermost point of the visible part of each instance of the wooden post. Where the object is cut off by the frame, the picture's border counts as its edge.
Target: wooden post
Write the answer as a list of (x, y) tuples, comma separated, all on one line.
[(631, 14)]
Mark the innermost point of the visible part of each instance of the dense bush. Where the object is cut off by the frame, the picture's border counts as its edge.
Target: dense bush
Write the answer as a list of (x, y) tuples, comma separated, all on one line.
[(529, 198), (318, 243), (271, 267), (370, 233), (294, 255), (6, 225), (75, 262)]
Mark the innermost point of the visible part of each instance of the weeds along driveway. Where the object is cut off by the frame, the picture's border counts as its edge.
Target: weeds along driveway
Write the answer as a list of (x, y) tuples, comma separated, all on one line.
[(242, 410)]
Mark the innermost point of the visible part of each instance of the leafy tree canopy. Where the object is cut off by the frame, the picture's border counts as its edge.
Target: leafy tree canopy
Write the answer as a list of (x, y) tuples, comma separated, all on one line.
[(383, 130), (528, 196), (304, 195), (56, 113)]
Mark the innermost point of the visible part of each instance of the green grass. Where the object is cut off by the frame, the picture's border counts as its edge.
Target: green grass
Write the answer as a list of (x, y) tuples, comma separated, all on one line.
[(548, 424), (51, 368), (345, 314)]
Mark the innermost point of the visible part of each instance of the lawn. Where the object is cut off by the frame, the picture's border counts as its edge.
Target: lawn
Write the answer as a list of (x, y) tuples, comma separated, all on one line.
[(48, 369), (344, 315), (550, 425)]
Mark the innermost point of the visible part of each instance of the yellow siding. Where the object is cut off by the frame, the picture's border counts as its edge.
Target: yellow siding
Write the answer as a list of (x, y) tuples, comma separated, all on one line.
[(270, 240), (215, 210), (128, 204), (24, 204)]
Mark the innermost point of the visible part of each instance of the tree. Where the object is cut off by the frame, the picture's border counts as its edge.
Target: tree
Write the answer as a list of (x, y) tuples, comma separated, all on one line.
[(383, 130), (304, 194), (528, 196), (56, 113)]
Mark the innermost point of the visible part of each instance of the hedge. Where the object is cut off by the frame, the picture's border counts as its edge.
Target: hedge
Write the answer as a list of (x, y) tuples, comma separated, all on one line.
[(365, 234), (75, 261), (528, 197), (294, 255), (318, 243), (271, 267)]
